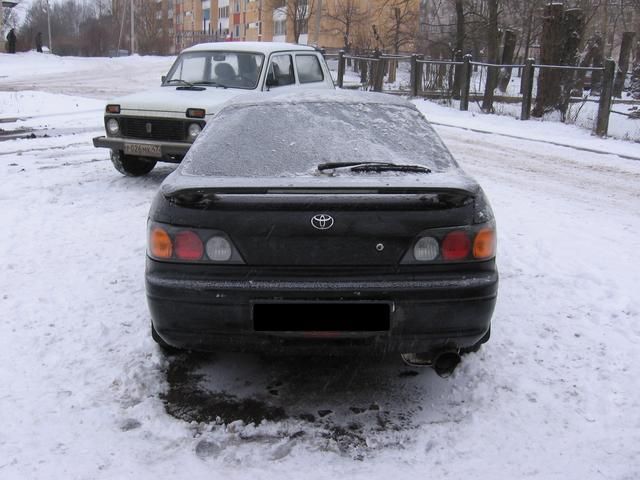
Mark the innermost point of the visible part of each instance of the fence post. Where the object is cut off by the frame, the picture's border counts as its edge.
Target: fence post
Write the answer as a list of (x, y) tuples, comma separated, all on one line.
[(606, 94), (341, 69), (414, 75), (378, 78), (527, 89), (465, 83)]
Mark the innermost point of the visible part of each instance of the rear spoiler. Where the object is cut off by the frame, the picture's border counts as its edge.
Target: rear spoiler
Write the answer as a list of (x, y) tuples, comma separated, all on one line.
[(206, 197)]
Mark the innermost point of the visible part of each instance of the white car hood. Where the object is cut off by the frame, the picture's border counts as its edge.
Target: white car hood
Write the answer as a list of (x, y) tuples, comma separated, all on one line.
[(171, 100)]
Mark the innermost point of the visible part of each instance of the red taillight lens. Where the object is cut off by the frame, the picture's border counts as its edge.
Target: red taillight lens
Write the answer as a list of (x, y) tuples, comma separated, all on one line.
[(456, 246), (160, 243), (188, 246)]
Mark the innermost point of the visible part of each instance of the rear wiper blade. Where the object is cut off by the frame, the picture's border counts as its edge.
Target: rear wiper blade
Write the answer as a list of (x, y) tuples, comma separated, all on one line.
[(390, 167), (373, 167)]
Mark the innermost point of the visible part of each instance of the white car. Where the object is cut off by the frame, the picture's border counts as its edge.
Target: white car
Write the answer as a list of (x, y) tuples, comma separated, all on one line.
[(162, 123)]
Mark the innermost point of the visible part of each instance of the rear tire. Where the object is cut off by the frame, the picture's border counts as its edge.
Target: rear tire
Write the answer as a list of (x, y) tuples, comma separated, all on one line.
[(164, 346), (131, 166)]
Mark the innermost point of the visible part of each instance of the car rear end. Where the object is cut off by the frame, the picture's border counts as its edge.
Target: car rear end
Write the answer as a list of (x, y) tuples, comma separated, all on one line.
[(394, 272), (309, 260)]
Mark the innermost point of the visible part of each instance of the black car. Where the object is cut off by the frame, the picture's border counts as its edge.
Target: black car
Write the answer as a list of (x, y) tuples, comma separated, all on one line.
[(322, 223)]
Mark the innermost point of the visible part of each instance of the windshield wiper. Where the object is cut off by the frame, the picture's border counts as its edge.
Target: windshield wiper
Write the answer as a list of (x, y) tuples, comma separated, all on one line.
[(215, 84), (374, 167), (180, 81)]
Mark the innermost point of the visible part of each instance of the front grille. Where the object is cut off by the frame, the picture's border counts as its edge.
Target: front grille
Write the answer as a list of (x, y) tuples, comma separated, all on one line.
[(160, 128)]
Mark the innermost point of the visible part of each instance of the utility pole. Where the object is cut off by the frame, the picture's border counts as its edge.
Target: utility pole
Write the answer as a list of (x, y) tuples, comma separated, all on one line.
[(49, 28), (133, 32)]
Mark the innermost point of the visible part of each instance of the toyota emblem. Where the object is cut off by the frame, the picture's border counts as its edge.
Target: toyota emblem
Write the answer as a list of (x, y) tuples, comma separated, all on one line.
[(322, 221)]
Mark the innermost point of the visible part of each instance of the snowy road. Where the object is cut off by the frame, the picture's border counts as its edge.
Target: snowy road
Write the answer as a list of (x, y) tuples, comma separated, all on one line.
[(86, 394)]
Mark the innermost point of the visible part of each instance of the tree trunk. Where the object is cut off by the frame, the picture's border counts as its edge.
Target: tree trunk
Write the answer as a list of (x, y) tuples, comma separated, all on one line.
[(459, 50), (507, 59), (492, 56), (635, 75), (573, 26), (551, 54), (598, 62), (623, 63)]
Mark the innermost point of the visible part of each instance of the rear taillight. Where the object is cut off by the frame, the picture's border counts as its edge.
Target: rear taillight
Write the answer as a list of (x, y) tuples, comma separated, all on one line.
[(160, 245), (462, 244), (484, 245), (190, 245), (456, 245)]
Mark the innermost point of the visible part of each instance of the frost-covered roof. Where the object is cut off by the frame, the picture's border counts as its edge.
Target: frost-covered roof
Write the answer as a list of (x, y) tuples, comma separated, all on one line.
[(261, 47), (301, 96)]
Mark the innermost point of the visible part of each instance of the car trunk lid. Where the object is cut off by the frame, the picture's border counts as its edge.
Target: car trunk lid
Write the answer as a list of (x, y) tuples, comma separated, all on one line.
[(322, 227)]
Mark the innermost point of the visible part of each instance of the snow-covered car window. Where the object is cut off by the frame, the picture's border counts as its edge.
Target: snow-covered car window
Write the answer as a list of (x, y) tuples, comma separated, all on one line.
[(231, 69), (292, 139), (309, 69)]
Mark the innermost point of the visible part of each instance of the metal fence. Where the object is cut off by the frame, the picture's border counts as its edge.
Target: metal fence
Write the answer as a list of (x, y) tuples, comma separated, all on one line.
[(466, 81)]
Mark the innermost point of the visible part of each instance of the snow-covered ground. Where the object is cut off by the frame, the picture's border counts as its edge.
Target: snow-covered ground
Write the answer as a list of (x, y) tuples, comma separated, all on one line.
[(87, 395)]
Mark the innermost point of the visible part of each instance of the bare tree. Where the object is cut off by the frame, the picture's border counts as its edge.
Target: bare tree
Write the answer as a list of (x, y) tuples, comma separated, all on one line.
[(492, 56), (150, 36), (400, 25), (297, 13), (347, 16)]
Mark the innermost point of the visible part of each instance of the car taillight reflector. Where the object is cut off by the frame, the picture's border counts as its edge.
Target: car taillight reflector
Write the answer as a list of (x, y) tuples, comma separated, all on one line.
[(188, 246), (426, 249), (160, 244), (219, 249), (484, 245), (456, 246)]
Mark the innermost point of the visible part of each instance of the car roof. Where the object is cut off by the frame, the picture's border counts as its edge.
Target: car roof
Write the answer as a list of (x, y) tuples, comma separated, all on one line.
[(260, 47), (299, 96)]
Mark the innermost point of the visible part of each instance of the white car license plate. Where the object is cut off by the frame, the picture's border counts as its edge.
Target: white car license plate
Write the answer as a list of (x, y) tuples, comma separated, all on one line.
[(142, 150)]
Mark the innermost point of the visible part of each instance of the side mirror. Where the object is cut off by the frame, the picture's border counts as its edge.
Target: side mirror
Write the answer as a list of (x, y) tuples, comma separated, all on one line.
[(163, 78)]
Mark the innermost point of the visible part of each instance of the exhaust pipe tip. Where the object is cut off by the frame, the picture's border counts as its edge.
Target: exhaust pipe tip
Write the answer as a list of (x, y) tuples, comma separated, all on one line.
[(446, 362)]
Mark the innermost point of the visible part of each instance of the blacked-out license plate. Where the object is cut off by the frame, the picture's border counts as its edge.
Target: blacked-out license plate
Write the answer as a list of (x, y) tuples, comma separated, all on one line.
[(321, 317), (142, 150)]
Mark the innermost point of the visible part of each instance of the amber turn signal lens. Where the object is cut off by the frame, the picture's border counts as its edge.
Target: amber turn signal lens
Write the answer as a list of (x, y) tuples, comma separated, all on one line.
[(484, 245), (113, 108), (160, 244), (195, 112)]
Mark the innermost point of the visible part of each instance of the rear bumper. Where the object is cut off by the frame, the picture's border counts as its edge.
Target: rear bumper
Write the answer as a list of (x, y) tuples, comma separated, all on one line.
[(172, 152), (427, 311)]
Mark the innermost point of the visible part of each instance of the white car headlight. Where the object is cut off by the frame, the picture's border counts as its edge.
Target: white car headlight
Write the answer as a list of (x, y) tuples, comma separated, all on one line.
[(113, 127), (194, 131)]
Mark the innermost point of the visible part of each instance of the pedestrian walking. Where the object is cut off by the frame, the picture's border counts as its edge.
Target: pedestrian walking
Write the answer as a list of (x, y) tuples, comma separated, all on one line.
[(39, 42), (11, 41)]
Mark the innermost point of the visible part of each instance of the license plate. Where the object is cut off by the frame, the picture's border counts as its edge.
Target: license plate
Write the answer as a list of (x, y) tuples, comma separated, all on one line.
[(142, 150), (315, 317)]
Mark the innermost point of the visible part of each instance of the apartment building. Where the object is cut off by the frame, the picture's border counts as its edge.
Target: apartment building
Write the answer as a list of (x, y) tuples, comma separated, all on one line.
[(317, 22)]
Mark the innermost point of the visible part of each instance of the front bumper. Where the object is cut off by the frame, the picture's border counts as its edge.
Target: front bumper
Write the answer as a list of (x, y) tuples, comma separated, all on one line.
[(191, 309), (172, 152)]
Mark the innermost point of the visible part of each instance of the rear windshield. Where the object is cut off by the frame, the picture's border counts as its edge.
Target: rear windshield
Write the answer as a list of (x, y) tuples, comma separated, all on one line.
[(292, 139)]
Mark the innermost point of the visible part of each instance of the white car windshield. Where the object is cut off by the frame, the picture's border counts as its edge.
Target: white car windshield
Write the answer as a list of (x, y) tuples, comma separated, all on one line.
[(226, 69)]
